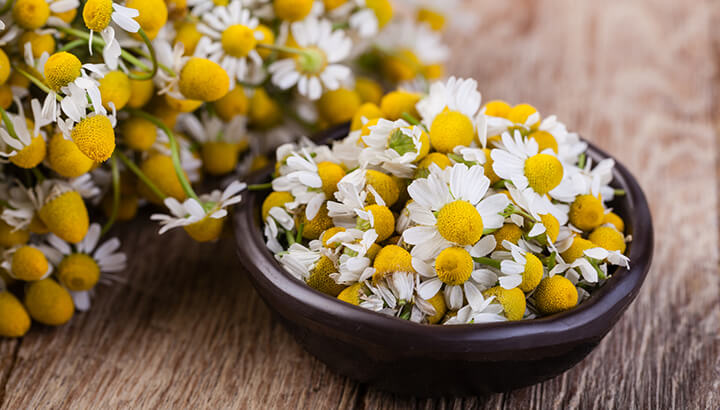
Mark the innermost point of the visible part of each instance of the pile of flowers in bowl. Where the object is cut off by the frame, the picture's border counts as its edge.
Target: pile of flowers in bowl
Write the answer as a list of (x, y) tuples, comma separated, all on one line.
[(111, 105), (436, 209)]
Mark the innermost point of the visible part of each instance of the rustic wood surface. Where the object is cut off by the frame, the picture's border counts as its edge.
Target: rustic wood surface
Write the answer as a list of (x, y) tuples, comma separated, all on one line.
[(639, 78)]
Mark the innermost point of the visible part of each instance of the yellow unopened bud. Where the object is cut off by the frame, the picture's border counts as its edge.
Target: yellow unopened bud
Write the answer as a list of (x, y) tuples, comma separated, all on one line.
[(438, 302), (78, 272), (49, 303), (61, 69), (383, 10), (115, 88), (555, 294), (512, 301), (66, 216), (9, 236), (367, 111), (31, 155), (95, 137), (202, 79), (395, 103), (264, 111), (276, 198), (351, 294), (153, 15), (182, 105), (401, 66), (219, 158), (370, 91), (338, 106), (206, 229), (138, 133), (30, 14), (97, 13), (235, 102), (6, 94), (14, 319), (268, 38), (29, 264)]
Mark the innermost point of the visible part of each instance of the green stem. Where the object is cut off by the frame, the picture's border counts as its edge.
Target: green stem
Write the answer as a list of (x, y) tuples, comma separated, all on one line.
[(37, 82), (174, 152), (619, 192), (99, 41), (487, 261), (116, 195), (284, 49), (290, 237), (260, 187), (72, 44), (8, 123), (412, 120), (298, 237), (141, 175), (581, 161), (153, 58)]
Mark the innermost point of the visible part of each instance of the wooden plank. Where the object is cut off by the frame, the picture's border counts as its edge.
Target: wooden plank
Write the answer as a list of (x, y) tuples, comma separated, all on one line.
[(639, 78)]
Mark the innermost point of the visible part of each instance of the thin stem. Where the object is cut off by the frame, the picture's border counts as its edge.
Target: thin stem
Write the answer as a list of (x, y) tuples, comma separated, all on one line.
[(72, 44), (581, 161), (37, 82), (298, 237), (619, 192), (260, 187), (174, 152), (141, 175), (116, 195), (99, 41), (290, 238), (284, 49), (153, 58), (487, 261), (412, 120)]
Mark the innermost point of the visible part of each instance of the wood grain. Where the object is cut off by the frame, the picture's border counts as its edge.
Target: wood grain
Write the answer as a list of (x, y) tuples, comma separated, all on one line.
[(638, 78)]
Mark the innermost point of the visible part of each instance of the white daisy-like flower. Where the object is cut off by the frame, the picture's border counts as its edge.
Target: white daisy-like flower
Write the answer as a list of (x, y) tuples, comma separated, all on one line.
[(277, 218), (394, 146), (514, 264), (20, 137), (191, 211), (317, 66), (457, 94), (230, 37), (483, 310), (351, 198), (104, 257), (406, 36), (210, 128), (354, 266), (173, 57), (6, 256), (450, 209), (520, 162), (299, 176), (191, 164), (595, 180), (299, 260)]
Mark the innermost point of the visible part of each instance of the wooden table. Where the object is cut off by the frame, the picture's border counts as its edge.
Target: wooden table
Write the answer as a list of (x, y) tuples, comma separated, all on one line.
[(639, 78)]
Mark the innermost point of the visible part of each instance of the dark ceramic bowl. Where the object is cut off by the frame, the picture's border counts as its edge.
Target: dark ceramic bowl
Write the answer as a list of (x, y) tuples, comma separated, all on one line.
[(431, 360)]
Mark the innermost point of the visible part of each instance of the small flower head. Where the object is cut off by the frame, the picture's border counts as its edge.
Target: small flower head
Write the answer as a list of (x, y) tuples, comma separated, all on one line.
[(555, 294), (292, 10), (29, 264), (153, 15), (454, 266), (14, 319), (61, 69), (115, 89), (138, 133), (320, 279), (30, 14), (11, 236), (392, 258), (380, 218), (97, 14), (512, 301), (49, 303), (95, 137), (65, 215), (608, 238), (586, 212), (204, 80), (338, 106)]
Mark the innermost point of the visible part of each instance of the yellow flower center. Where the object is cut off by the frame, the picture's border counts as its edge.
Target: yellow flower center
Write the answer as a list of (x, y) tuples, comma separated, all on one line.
[(384, 221), (544, 140), (608, 238), (488, 167), (115, 88), (14, 319), (454, 266), (31, 155), (320, 279), (351, 294), (219, 158), (312, 61), (205, 230), (187, 34), (204, 80), (328, 234), (384, 185), (319, 224), (338, 106), (39, 43), (459, 222), (383, 10), (9, 236), (369, 111), (182, 105), (97, 13), (292, 10), (61, 69), (140, 92), (576, 249), (78, 272), (29, 264), (615, 220), (66, 216), (153, 15), (276, 198), (441, 160), (544, 172), (268, 37), (159, 169), (392, 258), (49, 303), (555, 294), (520, 113), (586, 212), (533, 273), (437, 302), (512, 301), (138, 133), (508, 232), (450, 129), (552, 226), (395, 103), (433, 71), (370, 91), (264, 111), (497, 108), (238, 40), (330, 174), (95, 137), (30, 14), (5, 73), (235, 102)]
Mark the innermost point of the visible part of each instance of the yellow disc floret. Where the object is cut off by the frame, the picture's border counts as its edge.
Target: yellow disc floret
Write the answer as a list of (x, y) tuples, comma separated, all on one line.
[(555, 294), (508, 232), (138, 133), (61, 69), (264, 112), (97, 13), (441, 160), (328, 234), (532, 274), (615, 220), (235, 102), (544, 173), (115, 88), (384, 221), (292, 10), (330, 174), (384, 185), (552, 226), (186, 32), (520, 113), (450, 129), (30, 14), (403, 65), (338, 106), (512, 301), (219, 157), (205, 230), (488, 167), (608, 238), (204, 80), (153, 15), (320, 223), (276, 198), (320, 279), (544, 140), (31, 155), (39, 43), (49, 303), (159, 169), (586, 212), (576, 249), (78, 272), (437, 302), (66, 159), (367, 111), (29, 264), (4, 69), (66, 216), (351, 294), (140, 92), (14, 319), (454, 266), (369, 90), (95, 137), (392, 258), (497, 108), (459, 222), (395, 103), (238, 40), (10, 236)]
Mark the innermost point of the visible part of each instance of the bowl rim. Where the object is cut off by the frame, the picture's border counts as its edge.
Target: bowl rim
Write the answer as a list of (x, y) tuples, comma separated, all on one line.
[(589, 320)]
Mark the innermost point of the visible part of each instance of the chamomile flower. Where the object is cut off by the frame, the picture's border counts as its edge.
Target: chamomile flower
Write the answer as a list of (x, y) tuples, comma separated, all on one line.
[(97, 15), (173, 57), (482, 311), (450, 208), (394, 146), (316, 66), (81, 266), (409, 49), (230, 38), (353, 263), (220, 141), (20, 144), (27, 263), (191, 164), (299, 260), (520, 268), (202, 221)]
